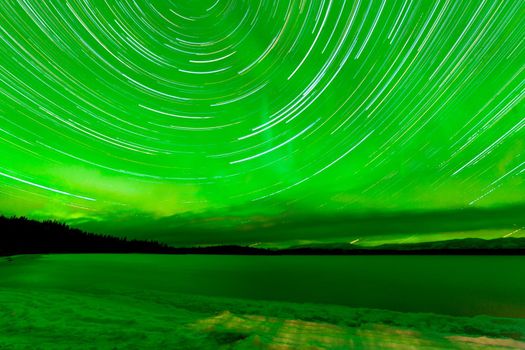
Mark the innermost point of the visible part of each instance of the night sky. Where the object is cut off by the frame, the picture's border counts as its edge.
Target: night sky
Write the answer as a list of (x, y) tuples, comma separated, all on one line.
[(233, 115)]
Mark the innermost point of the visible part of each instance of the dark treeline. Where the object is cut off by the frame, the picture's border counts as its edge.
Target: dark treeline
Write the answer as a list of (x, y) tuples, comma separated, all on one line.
[(23, 236), (19, 235)]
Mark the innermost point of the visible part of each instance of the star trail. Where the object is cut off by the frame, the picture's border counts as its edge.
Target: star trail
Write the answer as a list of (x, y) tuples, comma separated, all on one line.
[(113, 109)]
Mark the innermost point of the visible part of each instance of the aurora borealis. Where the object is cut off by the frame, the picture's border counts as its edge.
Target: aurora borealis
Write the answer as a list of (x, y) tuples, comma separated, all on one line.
[(134, 109)]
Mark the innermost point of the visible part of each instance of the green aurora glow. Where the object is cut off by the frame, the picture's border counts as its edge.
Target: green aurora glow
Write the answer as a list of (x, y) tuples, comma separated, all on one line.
[(142, 111)]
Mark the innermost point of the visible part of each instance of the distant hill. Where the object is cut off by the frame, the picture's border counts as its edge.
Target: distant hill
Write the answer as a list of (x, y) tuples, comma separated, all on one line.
[(24, 236), (508, 245), (465, 243)]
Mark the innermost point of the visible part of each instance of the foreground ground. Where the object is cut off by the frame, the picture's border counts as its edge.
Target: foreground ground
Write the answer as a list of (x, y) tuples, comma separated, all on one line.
[(45, 313)]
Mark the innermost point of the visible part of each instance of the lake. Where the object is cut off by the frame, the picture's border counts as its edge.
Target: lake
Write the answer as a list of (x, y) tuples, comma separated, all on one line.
[(454, 285)]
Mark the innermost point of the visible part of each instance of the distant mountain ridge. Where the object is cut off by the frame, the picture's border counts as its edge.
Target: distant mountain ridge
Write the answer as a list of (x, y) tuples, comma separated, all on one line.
[(24, 236), (473, 245)]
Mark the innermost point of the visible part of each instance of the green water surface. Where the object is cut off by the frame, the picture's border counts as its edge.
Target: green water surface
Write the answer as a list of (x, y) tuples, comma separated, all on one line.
[(455, 285)]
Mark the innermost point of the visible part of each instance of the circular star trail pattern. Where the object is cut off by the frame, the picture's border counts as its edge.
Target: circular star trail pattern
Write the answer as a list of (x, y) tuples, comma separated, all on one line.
[(120, 108)]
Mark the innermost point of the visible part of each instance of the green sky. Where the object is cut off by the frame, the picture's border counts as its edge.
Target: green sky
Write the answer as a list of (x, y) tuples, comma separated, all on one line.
[(136, 112)]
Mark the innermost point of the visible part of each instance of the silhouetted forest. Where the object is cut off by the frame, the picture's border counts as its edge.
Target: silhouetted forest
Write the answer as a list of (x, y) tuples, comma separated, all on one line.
[(20, 235)]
